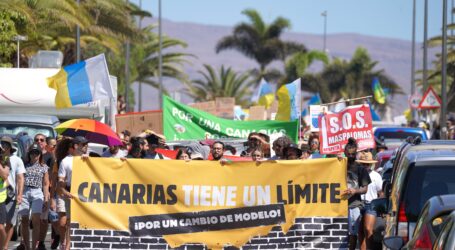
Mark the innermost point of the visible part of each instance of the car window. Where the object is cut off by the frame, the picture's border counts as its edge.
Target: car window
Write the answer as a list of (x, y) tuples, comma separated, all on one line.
[(31, 130), (424, 182), (401, 135)]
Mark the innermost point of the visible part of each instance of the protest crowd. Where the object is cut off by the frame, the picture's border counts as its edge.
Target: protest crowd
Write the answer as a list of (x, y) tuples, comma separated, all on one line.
[(39, 183)]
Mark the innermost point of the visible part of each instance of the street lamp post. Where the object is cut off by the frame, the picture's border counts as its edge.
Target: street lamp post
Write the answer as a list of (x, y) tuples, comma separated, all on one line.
[(140, 83), (18, 39), (443, 121), (78, 41), (425, 45), (160, 56), (324, 14), (413, 57), (127, 70)]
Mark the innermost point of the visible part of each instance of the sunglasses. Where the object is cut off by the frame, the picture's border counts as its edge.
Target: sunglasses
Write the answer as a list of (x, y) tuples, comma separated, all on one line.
[(40, 140)]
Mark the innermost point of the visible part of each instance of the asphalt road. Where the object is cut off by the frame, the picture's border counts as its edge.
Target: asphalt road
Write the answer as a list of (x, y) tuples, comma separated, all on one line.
[(47, 242)]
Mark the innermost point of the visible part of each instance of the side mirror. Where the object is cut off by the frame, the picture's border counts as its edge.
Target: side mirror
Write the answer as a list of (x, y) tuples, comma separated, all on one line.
[(380, 206), (393, 242)]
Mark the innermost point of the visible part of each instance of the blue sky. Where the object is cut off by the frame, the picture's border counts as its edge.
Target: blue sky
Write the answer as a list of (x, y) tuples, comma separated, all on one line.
[(385, 18)]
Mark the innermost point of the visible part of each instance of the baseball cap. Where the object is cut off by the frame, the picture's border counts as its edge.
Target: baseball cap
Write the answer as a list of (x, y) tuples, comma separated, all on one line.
[(79, 140), (35, 147)]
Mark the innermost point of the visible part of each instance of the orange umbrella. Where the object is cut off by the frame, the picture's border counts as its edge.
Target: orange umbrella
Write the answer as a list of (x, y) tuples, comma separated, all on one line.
[(94, 131)]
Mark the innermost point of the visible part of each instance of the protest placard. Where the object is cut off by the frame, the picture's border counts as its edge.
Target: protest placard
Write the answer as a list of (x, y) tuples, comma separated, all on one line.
[(336, 128), (181, 122)]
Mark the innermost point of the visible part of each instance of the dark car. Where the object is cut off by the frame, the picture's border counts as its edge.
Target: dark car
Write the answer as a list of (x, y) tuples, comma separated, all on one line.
[(394, 136), (420, 171), (446, 238), (428, 226)]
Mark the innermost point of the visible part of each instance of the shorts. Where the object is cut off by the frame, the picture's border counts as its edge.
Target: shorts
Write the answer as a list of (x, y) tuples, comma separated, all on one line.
[(32, 199), (63, 205), (353, 221), (11, 212), (368, 209), (2, 213)]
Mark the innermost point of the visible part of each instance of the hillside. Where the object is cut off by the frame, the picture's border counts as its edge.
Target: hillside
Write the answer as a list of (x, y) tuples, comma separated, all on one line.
[(393, 55)]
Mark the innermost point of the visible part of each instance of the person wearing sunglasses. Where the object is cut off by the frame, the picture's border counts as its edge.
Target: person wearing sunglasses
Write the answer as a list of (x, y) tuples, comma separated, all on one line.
[(15, 185), (49, 160), (36, 194), (78, 147), (313, 143), (40, 139)]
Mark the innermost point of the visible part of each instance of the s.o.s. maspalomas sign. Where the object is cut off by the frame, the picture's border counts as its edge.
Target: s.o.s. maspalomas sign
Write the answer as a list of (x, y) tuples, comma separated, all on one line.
[(203, 201)]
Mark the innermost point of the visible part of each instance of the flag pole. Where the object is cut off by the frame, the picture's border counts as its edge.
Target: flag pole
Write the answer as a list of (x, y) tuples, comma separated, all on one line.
[(348, 100), (300, 136)]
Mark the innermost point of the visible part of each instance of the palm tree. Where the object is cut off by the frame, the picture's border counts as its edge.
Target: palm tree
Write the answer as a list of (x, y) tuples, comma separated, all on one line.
[(299, 62), (349, 79), (260, 41), (224, 83), (435, 75), (51, 24)]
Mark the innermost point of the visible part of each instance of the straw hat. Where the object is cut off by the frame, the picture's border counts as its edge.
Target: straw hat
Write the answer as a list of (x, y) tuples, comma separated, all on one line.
[(366, 157)]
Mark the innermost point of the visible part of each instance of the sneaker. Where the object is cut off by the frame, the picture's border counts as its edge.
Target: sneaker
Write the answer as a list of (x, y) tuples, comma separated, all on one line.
[(41, 246), (55, 242)]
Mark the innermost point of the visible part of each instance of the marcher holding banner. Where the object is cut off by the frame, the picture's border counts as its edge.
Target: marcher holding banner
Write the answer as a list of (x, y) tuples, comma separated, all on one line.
[(78, 147), (203, 201), (358, 180), (336, 128)]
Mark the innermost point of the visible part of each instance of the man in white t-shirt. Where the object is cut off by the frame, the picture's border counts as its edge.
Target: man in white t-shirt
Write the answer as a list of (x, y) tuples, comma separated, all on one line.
[(15, 182), (78, 147), (374, 191)]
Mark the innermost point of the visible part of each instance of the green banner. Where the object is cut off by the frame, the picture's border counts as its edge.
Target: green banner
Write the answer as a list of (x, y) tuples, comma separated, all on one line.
[(181, 122)]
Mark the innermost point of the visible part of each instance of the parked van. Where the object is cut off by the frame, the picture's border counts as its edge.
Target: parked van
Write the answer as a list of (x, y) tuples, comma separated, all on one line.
[(30, 124)]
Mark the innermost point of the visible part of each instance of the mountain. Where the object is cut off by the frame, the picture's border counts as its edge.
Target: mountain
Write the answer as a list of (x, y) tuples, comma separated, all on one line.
[(393, 55)]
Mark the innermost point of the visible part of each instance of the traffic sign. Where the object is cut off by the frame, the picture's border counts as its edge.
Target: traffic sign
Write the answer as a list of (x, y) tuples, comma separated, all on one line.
[(430, 100), (414, 100)]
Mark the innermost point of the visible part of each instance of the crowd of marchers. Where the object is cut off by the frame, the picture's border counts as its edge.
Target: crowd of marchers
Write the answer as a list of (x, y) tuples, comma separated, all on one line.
[(37, 187)]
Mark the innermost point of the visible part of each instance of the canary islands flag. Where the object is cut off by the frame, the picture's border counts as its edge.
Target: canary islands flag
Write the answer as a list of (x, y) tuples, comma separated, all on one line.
[(379, 94), (264, 94), (289, 101), (82, 82)]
